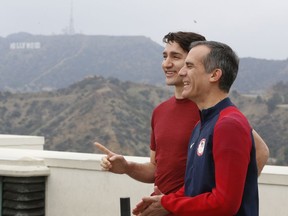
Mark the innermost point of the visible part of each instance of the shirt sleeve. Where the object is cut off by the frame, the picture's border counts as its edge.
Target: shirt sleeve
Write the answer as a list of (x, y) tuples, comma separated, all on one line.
[(152, 137)]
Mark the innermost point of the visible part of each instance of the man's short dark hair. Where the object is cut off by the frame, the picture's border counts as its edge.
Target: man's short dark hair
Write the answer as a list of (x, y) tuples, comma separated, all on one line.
[(184, 39)]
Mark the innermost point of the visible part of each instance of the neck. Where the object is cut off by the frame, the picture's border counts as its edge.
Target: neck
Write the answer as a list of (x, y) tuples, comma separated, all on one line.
[(178, 92), (210, 101)]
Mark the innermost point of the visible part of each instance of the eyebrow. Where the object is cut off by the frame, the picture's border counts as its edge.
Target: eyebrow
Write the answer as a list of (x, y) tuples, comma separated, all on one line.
[(189, 63), (173, 53)]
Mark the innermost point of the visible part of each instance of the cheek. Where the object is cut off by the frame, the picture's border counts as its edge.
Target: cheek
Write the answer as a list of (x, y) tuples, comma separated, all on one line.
[(179, 65), (194, 84), (163, 65), (177, 68), (191, 76)]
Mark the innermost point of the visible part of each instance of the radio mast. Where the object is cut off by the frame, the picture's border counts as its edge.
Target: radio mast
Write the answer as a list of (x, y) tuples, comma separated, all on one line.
[(71, 29)]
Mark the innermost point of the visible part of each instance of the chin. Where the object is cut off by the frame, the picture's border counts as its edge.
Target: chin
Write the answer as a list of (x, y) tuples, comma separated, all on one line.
[(185, 95), (170, 82)]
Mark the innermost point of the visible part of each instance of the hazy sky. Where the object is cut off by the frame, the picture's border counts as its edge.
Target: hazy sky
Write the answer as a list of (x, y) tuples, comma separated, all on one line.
[(253, 28)]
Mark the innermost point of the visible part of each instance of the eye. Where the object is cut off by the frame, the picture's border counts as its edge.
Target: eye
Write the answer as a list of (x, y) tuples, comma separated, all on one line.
[(189, 66), (177, 57)]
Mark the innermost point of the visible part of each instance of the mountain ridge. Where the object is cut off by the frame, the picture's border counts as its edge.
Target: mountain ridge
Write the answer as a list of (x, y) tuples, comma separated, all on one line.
[(36, 62), (114, 111)]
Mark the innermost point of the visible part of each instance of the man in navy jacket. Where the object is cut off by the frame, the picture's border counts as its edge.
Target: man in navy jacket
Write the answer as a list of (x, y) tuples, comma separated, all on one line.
[(221, 170)]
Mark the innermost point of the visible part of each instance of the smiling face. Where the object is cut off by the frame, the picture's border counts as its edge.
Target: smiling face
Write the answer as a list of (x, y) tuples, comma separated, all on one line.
[(173, 60), (195, 78)]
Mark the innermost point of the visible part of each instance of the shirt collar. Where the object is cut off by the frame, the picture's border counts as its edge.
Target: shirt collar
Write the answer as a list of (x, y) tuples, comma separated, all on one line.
[(209, 113)]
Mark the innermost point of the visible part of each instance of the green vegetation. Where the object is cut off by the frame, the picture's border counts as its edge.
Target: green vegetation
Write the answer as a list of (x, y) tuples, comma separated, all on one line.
[(107, 110), (118, 113)]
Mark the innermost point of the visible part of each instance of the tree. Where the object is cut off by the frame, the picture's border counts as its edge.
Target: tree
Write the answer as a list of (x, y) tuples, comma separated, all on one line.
[(273, 101)]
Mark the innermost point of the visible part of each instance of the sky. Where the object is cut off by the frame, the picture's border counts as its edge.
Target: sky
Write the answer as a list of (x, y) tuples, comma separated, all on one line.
[(253, 28)]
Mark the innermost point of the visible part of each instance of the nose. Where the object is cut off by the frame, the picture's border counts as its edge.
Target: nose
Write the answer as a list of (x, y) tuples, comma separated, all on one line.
[(182, 71), (166, 63)]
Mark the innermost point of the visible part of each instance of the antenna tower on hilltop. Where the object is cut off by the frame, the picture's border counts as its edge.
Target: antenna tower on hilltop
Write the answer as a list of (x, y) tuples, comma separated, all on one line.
[(71, 29)]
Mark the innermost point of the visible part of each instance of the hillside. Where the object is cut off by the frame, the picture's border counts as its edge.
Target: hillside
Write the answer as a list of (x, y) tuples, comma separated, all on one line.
[(107, 110), (117, 114), (259, 75), (268, 115), (36, 62)]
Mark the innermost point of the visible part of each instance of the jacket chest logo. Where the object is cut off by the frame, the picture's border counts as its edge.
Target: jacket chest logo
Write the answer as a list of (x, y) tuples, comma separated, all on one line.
[(201, 147)]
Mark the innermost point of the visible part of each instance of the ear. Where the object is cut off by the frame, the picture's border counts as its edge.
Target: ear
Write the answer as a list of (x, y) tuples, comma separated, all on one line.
[(215, 75)]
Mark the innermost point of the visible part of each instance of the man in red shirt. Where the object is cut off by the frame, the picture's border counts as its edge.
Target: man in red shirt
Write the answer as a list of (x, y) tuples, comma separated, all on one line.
[(172, 123), (221, 170)]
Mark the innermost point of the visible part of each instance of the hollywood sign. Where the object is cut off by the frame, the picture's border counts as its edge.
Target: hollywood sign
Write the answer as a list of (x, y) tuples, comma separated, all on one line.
[(25, 45)]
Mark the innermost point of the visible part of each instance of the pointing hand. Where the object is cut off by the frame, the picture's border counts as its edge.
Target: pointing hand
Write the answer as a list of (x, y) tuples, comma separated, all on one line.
[(112, 162)]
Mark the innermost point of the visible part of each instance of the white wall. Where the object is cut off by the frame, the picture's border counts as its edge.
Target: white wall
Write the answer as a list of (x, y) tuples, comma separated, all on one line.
[(76, 186), (273, 191), (21, 142)]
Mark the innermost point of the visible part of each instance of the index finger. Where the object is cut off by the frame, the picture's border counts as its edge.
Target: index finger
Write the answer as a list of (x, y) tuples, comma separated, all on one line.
[(103, 149)]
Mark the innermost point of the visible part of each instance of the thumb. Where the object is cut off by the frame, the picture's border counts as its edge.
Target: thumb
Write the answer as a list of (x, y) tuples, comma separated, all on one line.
[(157, 191), (113, 157)]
